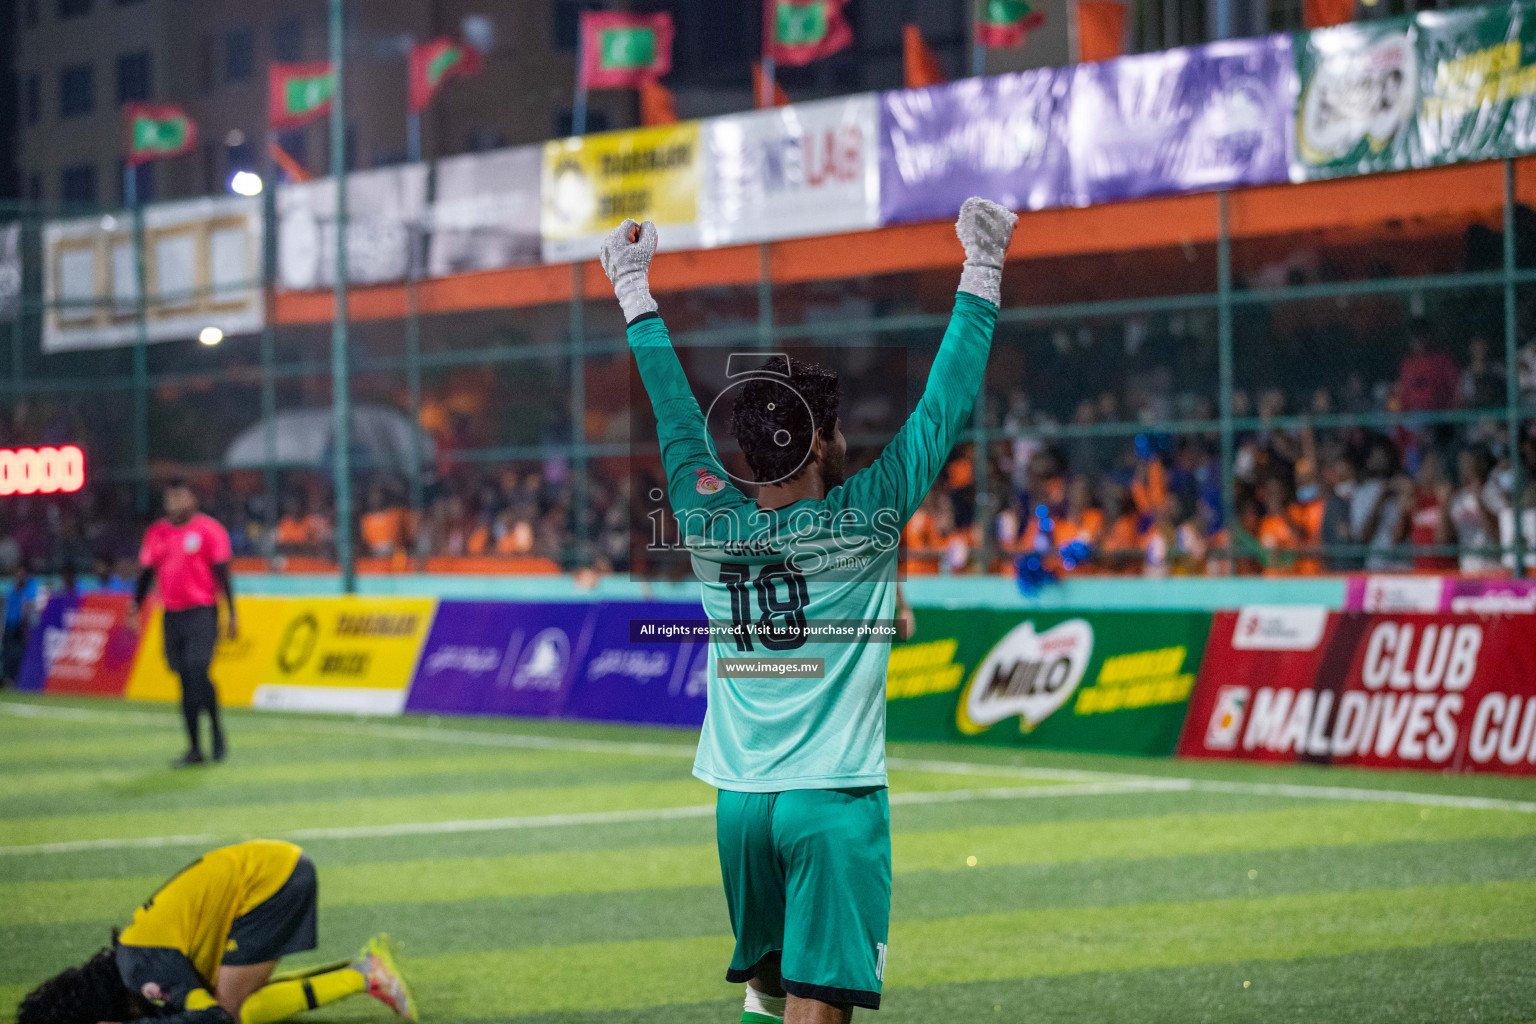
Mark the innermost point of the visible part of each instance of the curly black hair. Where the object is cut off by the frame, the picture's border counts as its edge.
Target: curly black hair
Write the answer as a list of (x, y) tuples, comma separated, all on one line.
[(775, 419), (92, 992)]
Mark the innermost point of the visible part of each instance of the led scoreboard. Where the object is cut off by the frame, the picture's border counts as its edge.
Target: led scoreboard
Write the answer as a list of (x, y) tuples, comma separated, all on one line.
[(41, 470)]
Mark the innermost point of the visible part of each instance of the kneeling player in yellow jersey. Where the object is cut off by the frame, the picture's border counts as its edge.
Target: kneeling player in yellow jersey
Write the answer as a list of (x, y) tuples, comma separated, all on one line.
[(203, 948)]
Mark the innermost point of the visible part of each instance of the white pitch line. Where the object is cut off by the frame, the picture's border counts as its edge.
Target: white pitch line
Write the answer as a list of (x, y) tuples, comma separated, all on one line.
[(973, 768), (432, 828)]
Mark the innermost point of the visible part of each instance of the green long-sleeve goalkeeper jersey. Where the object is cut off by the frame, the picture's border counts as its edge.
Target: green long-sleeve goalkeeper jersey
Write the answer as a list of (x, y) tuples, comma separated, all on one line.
[(829, 562)]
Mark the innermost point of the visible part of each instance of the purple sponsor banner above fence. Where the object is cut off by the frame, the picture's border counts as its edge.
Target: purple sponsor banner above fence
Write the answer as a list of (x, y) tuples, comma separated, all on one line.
[(623, 681), (1183, 120), (500, 658), (1003, 138), (567, 660)]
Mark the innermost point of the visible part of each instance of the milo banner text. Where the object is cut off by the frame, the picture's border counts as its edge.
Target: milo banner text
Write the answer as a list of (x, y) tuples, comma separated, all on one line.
[(1116, 682), (1446, 692)]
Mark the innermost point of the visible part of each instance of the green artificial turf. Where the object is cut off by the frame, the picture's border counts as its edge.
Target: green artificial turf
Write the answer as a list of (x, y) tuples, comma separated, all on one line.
[(1027, 886)]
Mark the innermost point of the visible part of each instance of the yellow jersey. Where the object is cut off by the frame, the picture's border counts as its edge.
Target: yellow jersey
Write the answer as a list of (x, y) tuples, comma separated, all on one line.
[(194, 911)]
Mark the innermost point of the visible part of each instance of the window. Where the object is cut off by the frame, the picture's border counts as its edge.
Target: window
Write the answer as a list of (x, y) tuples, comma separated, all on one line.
[(32, 100), (134, 80), (239, 55), (597, 121), (35, 187), (288, 39), (77, 90), (206, 79), (566, 21), (74, 8), (482, 139), (77, 184), (30, 13)]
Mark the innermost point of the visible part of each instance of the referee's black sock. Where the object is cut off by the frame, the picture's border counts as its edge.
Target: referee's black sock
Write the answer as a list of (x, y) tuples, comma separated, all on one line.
[(189, 713)]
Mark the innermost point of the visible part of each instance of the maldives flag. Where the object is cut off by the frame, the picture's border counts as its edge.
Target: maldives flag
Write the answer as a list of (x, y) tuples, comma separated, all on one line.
[(157, 130), (434, 63), (624, 51), (800, 31), (1006, 22), (299, 93)]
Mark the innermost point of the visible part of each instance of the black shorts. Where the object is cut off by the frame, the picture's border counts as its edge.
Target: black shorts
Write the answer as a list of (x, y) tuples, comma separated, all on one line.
[(281, 924), (191, 634)]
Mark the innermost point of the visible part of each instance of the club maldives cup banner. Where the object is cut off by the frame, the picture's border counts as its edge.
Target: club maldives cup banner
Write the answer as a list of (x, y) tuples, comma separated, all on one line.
[(1114, 682), (1439, 691), (1438, 88)]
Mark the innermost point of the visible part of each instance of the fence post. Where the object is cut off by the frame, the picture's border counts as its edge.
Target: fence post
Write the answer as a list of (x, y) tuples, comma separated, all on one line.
[(341, 412), (269, 352), (579, 496), (140, 344), (1224, 362), (1511, 374)]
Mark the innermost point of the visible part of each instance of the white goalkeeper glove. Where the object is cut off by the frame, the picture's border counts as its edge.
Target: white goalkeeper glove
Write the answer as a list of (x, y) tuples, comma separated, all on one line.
[(626, 258), (984, 229)]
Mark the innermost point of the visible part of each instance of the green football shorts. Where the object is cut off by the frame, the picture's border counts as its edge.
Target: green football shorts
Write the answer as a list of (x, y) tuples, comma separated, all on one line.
[(808, 874)]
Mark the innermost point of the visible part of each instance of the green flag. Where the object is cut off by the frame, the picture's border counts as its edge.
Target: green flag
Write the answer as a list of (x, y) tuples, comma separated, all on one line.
[(157, 130)]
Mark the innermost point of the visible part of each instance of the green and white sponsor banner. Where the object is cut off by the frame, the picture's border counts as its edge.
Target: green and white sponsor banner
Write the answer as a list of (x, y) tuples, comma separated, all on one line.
[(1442, 87), (1117, 682)]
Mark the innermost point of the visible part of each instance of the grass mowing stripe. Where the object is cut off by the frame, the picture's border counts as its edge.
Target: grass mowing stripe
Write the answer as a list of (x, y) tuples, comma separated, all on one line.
[(571, 871), (994, 946), (472, 925)]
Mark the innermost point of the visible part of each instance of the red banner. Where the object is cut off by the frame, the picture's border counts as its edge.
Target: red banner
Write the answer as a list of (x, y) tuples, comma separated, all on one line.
[(95, 649), (1444, 692)]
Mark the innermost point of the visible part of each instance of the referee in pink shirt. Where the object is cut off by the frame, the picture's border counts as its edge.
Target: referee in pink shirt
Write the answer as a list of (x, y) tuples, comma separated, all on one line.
[(189, 554)]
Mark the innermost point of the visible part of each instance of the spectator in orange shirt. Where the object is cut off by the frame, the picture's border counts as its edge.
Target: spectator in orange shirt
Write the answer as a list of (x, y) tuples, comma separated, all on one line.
[(383, 525), (1082, 521), (293, 527), (1124, 535), (1278, 534)]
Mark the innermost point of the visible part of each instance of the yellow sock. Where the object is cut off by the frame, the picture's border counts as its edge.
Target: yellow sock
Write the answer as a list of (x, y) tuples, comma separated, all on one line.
[(283, 999)]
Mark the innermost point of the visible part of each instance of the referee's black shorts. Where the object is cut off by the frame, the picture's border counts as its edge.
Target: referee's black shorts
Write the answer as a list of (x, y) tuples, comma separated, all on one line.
[(191, 634)]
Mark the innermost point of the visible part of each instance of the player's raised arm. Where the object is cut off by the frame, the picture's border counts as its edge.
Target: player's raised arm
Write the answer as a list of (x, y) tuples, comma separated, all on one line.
[(685, 453), (906, 469)]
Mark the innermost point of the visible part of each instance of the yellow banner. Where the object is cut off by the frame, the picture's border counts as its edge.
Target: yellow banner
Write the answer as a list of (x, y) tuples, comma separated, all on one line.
[(314, 654), (592, 182)]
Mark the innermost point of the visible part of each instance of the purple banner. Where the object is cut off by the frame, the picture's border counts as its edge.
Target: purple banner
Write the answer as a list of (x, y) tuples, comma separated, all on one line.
[(623, 681), (1184, 120), (568, 660), (500, 658), (45, 641), (1003, 138)]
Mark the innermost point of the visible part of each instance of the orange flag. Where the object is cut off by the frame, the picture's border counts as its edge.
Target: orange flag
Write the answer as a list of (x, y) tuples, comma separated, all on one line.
[(780, 97), (1100, 29), (658, 105), (917, 61), (1322, 13)]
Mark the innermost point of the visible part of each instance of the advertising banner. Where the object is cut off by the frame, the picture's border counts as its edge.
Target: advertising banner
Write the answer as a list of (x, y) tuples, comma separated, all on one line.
[(1114, 682), (591, 183), (386, 209), (202, 268), (1388, 593), (1003, 137), (1183, 120), (352, 654), (1444, 692), (1358, 93), (486, 211), (501, 658), (790, 172), (45, 641), (93, 650), (1477, 84), (624, 681)]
